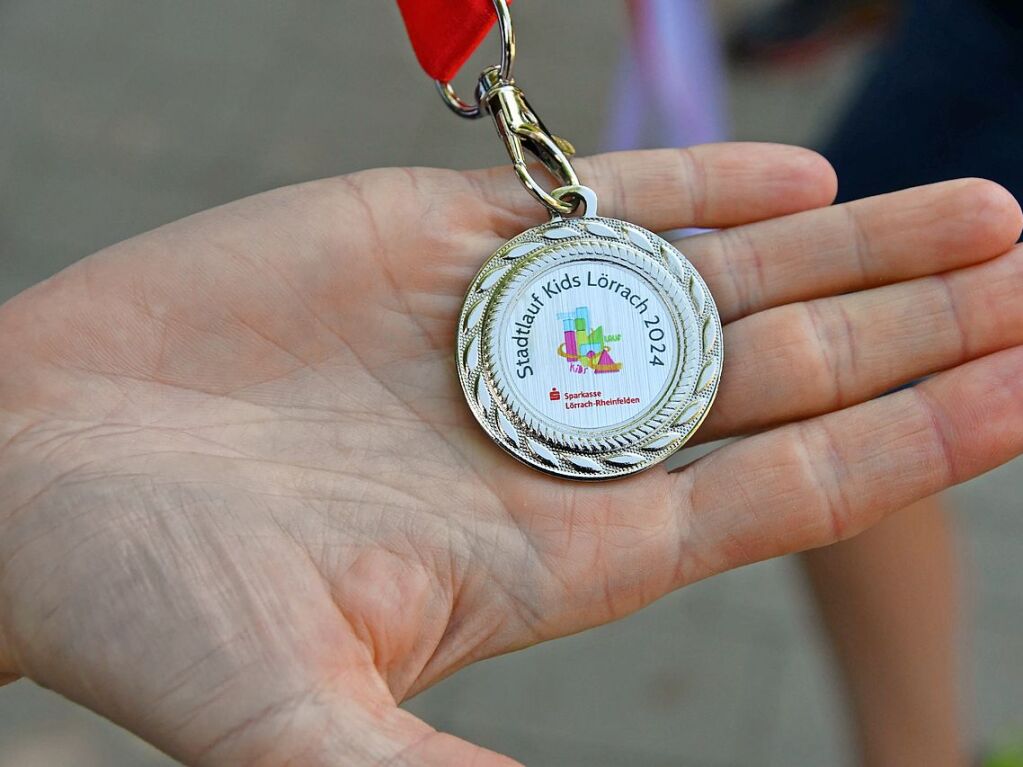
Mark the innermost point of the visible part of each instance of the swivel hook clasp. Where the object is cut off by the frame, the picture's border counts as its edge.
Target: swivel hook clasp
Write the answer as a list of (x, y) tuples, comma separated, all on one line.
[(524, 132)]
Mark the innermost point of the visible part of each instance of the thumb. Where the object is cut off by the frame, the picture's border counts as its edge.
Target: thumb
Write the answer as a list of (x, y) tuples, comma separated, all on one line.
[(408, 741), (426, 747), (329, 728)]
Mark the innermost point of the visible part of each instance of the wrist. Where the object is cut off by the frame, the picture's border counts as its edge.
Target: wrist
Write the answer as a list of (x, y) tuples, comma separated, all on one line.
[(8, 435), (17, 495), (21, 485), (18, 378)]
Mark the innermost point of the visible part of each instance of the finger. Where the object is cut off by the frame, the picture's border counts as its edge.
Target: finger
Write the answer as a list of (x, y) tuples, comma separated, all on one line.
[(323, 726), (815, 482), (707, 186), (344, 733), (813, 357), (865, 243), (426, 747)]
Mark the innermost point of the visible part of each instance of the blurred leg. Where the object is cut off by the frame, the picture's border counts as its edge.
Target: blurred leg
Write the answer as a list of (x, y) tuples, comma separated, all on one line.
[(670, 88), (935, 107), (888, 599)]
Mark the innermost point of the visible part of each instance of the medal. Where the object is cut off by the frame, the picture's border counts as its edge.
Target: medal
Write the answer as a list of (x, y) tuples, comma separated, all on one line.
[(587, 347)]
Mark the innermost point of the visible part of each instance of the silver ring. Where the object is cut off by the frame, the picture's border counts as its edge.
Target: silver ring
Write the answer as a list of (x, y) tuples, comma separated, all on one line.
[(576, 193), (447, 91)]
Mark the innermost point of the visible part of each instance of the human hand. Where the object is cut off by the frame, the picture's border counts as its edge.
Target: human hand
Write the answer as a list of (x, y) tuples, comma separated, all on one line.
[(245, 511)]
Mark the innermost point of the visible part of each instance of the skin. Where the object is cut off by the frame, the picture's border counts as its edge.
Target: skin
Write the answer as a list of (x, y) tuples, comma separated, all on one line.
[(888, 599), (244, 510)]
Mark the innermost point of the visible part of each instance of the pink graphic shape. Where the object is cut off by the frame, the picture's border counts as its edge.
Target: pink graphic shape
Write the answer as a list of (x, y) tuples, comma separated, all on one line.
[(571, 349)]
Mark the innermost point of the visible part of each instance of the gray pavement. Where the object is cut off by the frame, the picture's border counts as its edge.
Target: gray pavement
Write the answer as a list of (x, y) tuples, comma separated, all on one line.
[(118, 115)]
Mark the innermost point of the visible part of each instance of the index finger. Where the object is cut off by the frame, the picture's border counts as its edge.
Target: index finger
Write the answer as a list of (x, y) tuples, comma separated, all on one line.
[(712, 185)]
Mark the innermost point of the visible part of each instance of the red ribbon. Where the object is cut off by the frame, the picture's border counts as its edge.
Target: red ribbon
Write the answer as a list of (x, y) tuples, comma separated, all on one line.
[(444, 33)]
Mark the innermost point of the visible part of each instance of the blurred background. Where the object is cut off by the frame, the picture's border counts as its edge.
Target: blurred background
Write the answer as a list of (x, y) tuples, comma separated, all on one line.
[(119, 115)]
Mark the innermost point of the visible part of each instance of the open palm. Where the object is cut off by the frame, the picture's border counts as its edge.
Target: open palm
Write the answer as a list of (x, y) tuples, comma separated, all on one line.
[(244, 510)]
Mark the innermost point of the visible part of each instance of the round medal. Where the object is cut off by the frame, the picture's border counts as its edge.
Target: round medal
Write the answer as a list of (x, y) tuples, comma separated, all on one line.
[(589, 347)]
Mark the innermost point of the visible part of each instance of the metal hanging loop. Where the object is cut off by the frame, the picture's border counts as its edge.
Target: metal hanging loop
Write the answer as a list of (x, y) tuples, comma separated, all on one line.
[(447, 90), (580, 195)]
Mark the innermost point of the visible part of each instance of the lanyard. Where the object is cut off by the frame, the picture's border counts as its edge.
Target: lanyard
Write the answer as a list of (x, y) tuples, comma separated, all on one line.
[(444, 33)]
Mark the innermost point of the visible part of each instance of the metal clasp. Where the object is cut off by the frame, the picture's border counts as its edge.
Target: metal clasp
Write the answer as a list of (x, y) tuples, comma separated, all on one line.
[(522, 131)]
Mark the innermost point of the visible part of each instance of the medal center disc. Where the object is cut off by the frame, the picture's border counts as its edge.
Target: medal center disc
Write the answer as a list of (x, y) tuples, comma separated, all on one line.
[(587, 347)]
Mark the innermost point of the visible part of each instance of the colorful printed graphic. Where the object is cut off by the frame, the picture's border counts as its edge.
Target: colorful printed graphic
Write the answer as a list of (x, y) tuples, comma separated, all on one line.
[(584, 346)]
